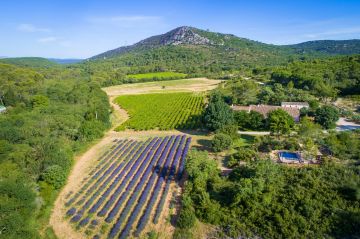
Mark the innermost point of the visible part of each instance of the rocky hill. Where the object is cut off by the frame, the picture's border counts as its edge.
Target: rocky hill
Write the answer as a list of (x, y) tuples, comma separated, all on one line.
[(190, 36)]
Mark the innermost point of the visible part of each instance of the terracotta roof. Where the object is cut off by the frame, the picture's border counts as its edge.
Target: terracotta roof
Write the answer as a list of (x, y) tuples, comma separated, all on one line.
[(265, 109), (295, 103)]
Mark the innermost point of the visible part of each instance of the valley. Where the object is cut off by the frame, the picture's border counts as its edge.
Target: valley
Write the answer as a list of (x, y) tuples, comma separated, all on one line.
[(250, 130)]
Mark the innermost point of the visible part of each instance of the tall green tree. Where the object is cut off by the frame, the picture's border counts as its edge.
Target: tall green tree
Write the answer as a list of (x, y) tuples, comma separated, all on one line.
[(218, 113), (280, 122), (327, 116)]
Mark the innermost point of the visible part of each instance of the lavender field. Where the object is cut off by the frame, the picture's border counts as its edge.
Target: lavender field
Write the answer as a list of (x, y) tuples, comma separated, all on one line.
[(128, 187)]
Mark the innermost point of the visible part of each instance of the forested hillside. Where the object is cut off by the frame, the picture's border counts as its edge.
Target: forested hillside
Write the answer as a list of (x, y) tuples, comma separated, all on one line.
[(47, 121), (29, 62), (198, 52), (324, 77)]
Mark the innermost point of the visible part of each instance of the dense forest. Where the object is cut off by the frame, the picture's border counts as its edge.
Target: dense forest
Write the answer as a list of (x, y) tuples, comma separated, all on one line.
[(47, 121)]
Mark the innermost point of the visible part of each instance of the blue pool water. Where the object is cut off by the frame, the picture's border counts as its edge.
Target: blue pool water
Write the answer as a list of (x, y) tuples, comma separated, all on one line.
[(289, 155)]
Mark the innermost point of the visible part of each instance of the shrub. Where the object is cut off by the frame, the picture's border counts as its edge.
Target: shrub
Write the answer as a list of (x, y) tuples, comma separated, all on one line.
[(54, 175), (326, 116), (221, 142), (186, 218)]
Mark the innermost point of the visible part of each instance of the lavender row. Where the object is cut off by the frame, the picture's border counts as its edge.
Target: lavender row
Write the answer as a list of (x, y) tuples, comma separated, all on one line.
[(108, 171), (113, 174), (131, 201), (161, 204), (183, 157), (88, 183), (145, 193), (79, 215), (117, 180), (139, 172), (97, 193)]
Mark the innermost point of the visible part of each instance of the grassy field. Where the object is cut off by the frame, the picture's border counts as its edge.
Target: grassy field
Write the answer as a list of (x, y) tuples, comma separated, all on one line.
[(183, 85), (168, 75), (162, 111)]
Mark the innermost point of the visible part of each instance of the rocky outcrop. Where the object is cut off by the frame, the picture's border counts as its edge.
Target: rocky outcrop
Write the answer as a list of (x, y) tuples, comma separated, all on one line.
[(178, 36)]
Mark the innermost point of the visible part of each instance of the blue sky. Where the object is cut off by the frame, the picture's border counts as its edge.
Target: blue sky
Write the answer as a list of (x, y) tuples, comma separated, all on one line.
[(80, 29)]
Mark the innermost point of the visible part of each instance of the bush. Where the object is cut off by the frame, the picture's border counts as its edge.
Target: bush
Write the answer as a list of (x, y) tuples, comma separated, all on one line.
[(221, 142), (91, 130), (243, 155), (186, 218), (231, 130), (326, 116), (54, 175)]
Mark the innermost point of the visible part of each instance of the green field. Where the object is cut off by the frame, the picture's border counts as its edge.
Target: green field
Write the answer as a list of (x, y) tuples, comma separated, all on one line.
[(157, 76), (162, 111)]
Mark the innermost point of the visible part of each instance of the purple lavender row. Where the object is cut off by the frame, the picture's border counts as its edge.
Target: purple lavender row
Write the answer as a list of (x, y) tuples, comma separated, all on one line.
[(79, 214), (183, 157), (144, 195), (167, 179), (87, 184), (129, 176), (179, 151), (113, 151), (160, 206), (131, 164), (96, 206), (122, 217), (107, 181), (145, 217), (108, 171), (149, 207), (134, 214), (140, 171)]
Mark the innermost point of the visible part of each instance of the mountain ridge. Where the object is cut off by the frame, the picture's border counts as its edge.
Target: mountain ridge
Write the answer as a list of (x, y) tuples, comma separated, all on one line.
[(187, 35)]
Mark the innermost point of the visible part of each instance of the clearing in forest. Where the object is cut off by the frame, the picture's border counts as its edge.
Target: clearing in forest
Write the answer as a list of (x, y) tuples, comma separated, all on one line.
[(162, 111), (154, 76), (127, 189)]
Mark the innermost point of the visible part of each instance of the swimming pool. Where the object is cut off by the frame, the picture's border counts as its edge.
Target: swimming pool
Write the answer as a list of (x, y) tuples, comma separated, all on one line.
[(289, 155)]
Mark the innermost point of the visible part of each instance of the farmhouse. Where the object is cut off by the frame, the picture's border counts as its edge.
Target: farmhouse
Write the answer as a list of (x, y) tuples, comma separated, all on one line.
[(265, 109), (298, 105)]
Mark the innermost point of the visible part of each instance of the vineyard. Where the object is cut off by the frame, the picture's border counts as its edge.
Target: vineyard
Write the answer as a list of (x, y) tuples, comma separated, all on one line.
[(128, 187), (162, 111)]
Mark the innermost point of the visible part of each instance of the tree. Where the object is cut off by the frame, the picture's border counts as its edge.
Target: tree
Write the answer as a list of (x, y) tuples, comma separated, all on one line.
[(256, 120), (40, 101), (186, 218), (221, 142), (280, 122), (55, 176), (327, 116), (245, 92), (218, 113), (242, 155)]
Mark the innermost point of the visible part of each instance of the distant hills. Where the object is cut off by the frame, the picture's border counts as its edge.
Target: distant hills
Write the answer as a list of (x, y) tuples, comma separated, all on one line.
[(65, 61), (29, 62), (331, 47), (37, 61)]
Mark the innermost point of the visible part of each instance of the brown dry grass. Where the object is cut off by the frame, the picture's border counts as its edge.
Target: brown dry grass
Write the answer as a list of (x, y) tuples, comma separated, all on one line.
[(187, 85)]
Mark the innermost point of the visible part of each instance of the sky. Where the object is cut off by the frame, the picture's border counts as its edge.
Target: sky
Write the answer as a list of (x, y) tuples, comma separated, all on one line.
[(81, 29)]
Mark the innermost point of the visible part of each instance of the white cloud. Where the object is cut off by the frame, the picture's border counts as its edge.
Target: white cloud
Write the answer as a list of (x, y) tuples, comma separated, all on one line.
[(31, 28), (127, 21), (47, 39)]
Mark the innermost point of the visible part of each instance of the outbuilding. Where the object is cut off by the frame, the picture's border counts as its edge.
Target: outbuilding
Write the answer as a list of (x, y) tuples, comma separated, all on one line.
[(2, 109)]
